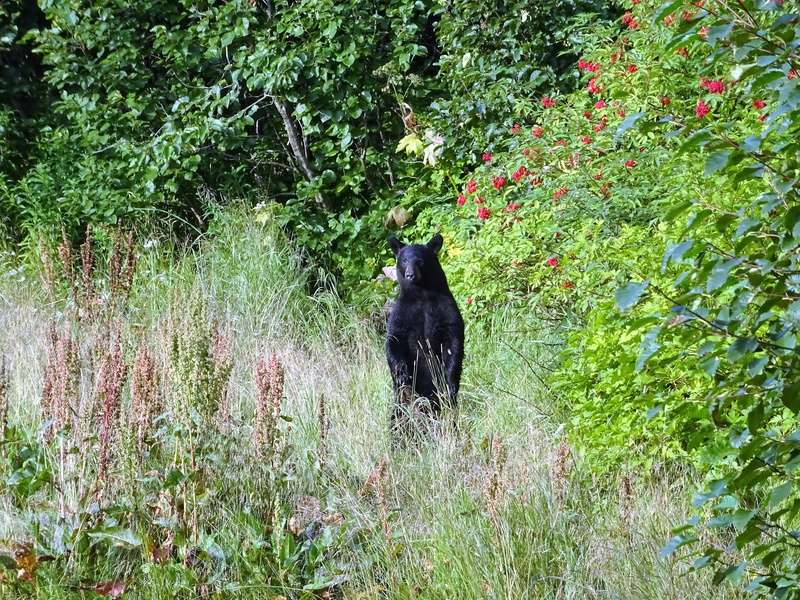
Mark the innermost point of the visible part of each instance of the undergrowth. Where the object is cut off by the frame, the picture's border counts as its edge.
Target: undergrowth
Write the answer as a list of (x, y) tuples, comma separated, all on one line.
[(218, 431)]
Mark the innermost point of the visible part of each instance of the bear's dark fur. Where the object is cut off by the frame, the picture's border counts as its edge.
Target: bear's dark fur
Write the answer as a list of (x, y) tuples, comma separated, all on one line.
[(425, 334)]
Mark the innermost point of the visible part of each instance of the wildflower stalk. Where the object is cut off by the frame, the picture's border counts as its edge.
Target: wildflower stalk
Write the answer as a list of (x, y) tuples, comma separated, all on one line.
[(65, 257), (61, 385), (269, 378), (493, 488), (222, 358), (626, 496), (322, 417), (87, 298), (48, 274), (110, 382), (144, 391), (3, 397), (559, 470), (380, 494), (376, 483), (121, 268)]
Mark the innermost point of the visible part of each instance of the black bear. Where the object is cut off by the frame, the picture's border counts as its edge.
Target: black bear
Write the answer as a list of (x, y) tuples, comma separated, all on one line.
[(425, 334)]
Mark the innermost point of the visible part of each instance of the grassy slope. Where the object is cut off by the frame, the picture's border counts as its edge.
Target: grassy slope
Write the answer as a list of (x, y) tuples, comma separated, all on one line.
[(458, 525)]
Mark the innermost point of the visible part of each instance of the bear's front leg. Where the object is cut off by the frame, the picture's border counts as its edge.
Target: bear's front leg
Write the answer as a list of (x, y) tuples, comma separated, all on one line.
[(399, 360), (453, 359)]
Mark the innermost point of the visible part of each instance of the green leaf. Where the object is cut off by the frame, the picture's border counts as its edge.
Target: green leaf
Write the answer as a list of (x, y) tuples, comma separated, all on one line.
[(719, 32), (741, 518), (629, 122), (675, 252), (629, 295), (648, 347), (716, 161), (117, 536), (699, 138), (674, 543), (745, 225), (779, 494), (411, 144), (677, 210), (717, 489), (666, 9), (720, 273), (791, 396), (755, 417), (174, 477), (732, 573), (227, 38), (752, 144), (791, 221), (740, 347)]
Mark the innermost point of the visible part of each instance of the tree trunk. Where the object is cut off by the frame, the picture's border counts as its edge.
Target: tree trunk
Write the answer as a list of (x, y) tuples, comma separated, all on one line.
[(297, 147)]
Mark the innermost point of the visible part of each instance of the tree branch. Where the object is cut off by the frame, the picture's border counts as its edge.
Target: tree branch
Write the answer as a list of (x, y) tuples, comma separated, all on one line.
[(297, 147)]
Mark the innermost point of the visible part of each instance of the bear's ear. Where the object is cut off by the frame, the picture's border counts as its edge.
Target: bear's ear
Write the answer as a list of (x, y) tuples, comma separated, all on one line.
[(395, 244), (436, 243)]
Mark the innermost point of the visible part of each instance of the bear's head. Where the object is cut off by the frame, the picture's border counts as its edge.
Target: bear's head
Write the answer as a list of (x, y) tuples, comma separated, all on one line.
[(418, 264)]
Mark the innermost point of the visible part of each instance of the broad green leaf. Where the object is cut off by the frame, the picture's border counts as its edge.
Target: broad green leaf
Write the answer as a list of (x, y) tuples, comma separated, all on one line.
[(716, 161), (721, 272), (648, 347), (629, 122), (118, 536), (791, 396), (411, 144), (675, 252), (779, 494), (741, 518), (629, 295), (666, 9), (674, 543)]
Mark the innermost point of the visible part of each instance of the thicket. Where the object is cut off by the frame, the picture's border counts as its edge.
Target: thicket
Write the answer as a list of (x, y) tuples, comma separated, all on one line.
[(154, 109), (189, 504), (653, 216), (650, 217)]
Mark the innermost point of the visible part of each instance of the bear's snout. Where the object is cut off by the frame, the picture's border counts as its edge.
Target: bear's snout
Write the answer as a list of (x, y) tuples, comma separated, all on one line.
[(412, 272)]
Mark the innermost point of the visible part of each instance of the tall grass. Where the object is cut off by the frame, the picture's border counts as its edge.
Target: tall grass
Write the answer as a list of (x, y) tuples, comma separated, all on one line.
[(498, 506)]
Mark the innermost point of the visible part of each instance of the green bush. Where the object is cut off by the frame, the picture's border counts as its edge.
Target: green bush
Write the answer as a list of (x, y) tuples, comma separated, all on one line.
[(161, 107), (675, 169)]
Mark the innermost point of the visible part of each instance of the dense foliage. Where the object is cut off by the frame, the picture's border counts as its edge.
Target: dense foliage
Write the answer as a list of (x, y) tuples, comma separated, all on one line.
[(161, 107), (639, 198), (676, 167)]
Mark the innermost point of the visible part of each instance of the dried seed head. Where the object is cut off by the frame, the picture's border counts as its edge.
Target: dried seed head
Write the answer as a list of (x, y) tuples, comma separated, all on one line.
[(269, 378), (377, 472), (222, 358), (322, 418), (110, 383), (144, 393), (376, 482), (307, 511), (65, 257), (115, 264), (198, 381), (130, 264), (276, 384), (493, 486), (559, 469), (48, 271), (626, 498), (3, 396), (48, 380), (61, 385), (87, 297), (121, 267)]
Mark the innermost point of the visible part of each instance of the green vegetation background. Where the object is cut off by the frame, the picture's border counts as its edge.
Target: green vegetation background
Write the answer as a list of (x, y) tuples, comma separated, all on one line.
[(617, 186)]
